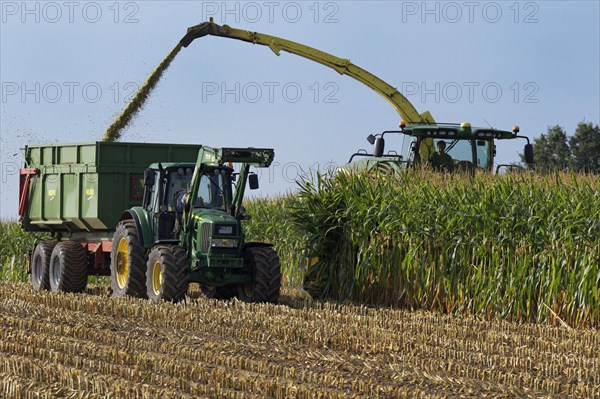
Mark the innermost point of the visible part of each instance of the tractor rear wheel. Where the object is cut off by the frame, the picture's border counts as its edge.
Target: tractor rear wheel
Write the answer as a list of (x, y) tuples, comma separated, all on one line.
[(68, 267), (127, 262), (167, 275), (266, 276), (40, 265)]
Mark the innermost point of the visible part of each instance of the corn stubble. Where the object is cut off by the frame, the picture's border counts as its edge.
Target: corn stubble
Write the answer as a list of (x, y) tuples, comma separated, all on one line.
[(94, 346)]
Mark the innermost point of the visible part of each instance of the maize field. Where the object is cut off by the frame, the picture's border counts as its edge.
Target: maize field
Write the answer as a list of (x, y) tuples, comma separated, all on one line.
[(471, 286), (521, 247), (56, 345)]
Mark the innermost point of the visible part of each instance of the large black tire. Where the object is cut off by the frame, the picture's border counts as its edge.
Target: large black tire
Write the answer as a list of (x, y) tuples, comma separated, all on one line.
[(127, 262), (167, 273), (68, 267), (40, 265), (266, 273)]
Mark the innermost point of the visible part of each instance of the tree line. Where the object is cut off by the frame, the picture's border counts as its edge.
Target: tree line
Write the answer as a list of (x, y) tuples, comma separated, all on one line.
[(555, 150)]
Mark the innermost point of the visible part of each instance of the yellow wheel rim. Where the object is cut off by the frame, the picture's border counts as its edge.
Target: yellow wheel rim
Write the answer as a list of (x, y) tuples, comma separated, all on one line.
[(122, 263), (157, 278)]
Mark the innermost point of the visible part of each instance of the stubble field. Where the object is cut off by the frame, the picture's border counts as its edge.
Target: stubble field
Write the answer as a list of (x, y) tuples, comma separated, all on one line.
[(57, 345)]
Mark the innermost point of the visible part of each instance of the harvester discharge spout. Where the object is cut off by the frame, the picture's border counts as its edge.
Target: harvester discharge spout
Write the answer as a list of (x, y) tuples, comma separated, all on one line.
[(342, 66)]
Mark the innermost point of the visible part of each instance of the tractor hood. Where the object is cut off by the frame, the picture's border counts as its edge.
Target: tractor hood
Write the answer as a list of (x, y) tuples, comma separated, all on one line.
[(218, 236), (216, 216)]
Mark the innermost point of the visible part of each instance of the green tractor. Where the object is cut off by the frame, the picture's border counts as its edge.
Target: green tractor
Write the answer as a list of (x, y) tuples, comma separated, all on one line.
[(189, 229)]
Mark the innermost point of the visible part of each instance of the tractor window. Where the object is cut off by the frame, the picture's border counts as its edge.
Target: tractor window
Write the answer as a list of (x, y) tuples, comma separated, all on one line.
[(211, 192), (459, 150), (407, 148), (483, 153), (179, 181)]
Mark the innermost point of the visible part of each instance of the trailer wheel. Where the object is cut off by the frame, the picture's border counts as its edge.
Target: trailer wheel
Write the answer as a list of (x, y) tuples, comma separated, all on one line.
[(167, 275), (68, 267), (266, 274), (40, 265), (127, 262)]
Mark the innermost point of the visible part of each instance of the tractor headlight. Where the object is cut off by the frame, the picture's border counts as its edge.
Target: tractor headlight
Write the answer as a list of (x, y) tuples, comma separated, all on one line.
[(224, 243)]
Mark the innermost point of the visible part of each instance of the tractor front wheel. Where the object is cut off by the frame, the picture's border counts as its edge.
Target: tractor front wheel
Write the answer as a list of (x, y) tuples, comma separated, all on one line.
[(40, 265), (167, 275), (266, 276), (68, 267), (127, 262)]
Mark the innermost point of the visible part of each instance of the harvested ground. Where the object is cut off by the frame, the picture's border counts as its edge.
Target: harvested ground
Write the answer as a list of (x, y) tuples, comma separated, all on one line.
[(93, 346)]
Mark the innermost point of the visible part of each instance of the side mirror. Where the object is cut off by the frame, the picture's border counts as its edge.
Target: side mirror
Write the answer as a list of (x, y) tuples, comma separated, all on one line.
[(242, 214), (529, 153), (149, 178), (379, 147), (371, 139), (253, 181)]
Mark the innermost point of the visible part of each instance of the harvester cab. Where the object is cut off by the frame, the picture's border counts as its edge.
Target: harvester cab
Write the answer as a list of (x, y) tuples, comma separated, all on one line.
[(467, 149)]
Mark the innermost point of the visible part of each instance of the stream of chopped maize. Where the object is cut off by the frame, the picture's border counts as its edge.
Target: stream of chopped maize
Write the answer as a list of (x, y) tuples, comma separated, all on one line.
[(114, 131)]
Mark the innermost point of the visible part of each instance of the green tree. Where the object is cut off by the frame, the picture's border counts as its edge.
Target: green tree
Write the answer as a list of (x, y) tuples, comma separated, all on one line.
[(585, 148), (551, 150)]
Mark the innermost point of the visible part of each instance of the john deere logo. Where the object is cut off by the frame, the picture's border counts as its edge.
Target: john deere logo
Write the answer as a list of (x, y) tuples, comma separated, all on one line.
[(89, 193), (51, 194)]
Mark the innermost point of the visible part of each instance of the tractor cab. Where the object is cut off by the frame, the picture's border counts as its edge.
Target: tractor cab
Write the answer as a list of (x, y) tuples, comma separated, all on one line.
[(444, 147), (167, 187)]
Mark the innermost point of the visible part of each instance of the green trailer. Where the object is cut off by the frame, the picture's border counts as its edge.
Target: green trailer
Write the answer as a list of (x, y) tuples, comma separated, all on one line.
[(154, 217), (79, 190)]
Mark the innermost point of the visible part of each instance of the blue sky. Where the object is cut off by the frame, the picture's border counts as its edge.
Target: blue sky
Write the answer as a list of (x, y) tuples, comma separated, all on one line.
[(67, 69)]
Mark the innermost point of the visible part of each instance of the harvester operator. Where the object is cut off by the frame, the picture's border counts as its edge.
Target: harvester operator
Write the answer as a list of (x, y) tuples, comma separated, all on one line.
[(440, 160)]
